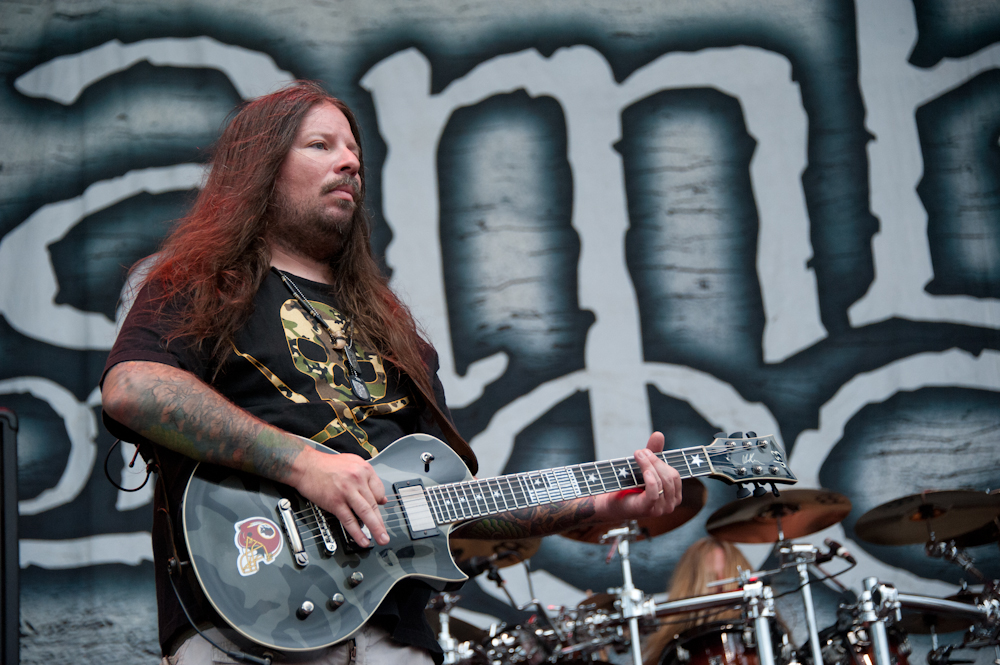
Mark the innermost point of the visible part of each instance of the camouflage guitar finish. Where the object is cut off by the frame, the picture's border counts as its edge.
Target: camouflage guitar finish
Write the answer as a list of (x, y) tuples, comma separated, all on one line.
[(285, 575)]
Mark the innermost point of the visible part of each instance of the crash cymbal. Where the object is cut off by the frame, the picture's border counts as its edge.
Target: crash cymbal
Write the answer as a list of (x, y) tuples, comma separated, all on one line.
[(984, 535), (460, 630), (926, 622), (505, 552), (934, 514), (800, 512), (692, 500)]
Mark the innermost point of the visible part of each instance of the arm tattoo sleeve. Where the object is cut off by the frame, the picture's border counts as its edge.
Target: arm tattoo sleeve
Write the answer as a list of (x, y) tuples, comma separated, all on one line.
[(175, 409), (541, 520)]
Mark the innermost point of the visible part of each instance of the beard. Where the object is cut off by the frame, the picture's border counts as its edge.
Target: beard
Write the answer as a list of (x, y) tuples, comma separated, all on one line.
[(312, 228)]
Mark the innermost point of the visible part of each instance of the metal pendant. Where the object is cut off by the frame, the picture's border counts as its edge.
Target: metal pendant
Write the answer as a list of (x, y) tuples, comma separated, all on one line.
[(359, 388)]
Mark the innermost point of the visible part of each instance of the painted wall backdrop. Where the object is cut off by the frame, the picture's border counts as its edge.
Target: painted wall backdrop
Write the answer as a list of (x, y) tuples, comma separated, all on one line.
[(780, 216)]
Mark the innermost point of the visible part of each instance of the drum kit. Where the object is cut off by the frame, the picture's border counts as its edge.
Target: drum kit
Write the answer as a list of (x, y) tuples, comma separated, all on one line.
[(870, 630)]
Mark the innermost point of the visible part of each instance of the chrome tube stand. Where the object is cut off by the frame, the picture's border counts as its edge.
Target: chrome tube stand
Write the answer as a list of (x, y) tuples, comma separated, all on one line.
[(870, 615), (632, 606), (803, 555), (759, 606)]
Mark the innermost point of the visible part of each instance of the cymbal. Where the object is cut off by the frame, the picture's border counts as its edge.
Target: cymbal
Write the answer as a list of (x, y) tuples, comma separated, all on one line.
[(984, 535), (800, 512), (913, 519), (692, 500), (923, 622), (508, 552), (460, 630)]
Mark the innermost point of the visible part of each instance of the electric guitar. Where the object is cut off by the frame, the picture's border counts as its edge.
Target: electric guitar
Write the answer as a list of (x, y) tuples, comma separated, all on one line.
[(285, 574)]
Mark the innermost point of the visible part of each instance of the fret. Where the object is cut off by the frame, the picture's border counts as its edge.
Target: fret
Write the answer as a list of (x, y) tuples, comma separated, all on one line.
[(492, 490), (565, 483), (600, 476), (592, 476), (618, 474), (536, 488), (468, 501), (451, 500), (524, 489), (479, 497), (432, 501), (699, 459), (687, 462), (498, 490), (444, 504), (631, 469), (463, 500), (513, 496)]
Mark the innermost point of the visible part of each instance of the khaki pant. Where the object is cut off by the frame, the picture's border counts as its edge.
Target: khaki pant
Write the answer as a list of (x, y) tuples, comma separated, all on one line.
[(372, 646)]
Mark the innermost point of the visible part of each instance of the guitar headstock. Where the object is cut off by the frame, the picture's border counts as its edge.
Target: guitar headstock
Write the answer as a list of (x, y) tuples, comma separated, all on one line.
[(738, 459)]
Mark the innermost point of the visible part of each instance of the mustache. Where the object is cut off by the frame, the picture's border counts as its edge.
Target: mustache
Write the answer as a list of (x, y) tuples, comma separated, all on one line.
[(340, 182)]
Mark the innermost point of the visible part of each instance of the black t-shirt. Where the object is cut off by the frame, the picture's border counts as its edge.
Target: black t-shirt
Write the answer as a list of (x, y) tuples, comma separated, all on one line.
[(284, 369)]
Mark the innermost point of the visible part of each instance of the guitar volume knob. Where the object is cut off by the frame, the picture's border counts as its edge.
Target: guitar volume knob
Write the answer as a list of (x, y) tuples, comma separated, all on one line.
[(336, 600), (355, 579), (305, 609)]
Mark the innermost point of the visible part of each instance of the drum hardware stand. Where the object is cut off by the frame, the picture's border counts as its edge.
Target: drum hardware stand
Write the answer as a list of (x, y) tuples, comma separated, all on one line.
[(802, 556), (759, 601), (448, 643), (877, 602), (632, 606)]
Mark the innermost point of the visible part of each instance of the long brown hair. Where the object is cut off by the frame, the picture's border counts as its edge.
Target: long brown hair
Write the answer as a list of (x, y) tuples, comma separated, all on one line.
[(215, 260), (690, 579)]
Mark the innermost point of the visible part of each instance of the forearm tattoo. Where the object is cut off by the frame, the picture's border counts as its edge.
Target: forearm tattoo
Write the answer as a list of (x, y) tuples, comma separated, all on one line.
[(180, 412), (530, 522)]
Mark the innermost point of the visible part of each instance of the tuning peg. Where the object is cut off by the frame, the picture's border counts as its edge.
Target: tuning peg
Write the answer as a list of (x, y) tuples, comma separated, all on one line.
[(736, 435), (759, 490), (751, 435), (774, 490), (743, 492), (719, 435)]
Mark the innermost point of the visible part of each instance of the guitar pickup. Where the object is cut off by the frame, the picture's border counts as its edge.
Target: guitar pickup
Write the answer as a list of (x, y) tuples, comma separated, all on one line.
[(416, 510), (352, 545)]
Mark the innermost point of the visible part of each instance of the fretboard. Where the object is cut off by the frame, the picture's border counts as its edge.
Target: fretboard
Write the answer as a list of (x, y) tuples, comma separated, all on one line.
[(457, 502)]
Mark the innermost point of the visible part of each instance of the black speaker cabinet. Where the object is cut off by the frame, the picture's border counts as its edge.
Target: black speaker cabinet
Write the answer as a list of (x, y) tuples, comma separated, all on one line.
[(10, 603)]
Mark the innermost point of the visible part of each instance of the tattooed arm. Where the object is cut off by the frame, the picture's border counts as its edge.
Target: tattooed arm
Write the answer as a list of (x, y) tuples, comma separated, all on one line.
[(175, 409), (611, 509)]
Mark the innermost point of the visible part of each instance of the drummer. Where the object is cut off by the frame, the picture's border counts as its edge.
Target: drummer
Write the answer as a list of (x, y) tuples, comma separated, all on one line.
[(704, 562)]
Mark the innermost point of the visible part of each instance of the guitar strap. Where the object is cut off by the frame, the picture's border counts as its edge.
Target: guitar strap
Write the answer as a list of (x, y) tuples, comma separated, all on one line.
[(451, 435)]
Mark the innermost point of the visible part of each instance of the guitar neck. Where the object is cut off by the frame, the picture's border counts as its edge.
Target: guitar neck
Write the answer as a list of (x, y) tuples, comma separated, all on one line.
[(473, 499)]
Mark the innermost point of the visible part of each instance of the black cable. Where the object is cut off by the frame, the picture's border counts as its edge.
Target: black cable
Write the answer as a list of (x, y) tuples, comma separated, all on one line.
[(107, 474), (236, 655), (818, 579)]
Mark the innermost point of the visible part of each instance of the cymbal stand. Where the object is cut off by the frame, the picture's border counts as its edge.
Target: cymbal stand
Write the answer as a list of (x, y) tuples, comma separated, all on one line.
[(802, 556), (448, 643), (877, 601), (631, 598)]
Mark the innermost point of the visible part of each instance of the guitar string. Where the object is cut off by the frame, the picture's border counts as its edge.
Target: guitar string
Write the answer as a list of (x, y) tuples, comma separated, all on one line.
[(468, 510), (460, 490)]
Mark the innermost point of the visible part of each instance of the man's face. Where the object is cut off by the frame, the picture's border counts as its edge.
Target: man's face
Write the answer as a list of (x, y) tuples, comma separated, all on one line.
[(319, 183)]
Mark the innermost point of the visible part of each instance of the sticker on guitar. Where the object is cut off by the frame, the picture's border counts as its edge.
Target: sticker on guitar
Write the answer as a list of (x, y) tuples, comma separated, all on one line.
[(258, 540)]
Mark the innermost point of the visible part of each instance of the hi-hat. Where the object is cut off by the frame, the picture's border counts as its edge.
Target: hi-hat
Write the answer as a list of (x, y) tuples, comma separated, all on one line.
[(506, 552), (692, 500), (931, 515), (797, 512)]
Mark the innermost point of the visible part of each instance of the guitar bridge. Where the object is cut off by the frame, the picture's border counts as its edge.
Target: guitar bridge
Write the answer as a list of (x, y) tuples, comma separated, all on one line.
[(292, 531), (329, 544)]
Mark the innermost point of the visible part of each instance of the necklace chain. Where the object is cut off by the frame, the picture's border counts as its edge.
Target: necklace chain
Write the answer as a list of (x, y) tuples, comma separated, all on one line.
[(358, 386)]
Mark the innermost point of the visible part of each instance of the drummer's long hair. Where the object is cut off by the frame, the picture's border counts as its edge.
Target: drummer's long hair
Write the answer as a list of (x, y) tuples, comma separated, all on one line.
[(691, 578)]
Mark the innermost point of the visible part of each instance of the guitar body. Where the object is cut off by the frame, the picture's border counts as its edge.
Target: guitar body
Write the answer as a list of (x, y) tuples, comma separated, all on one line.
[(243, 557), (286, 576)]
